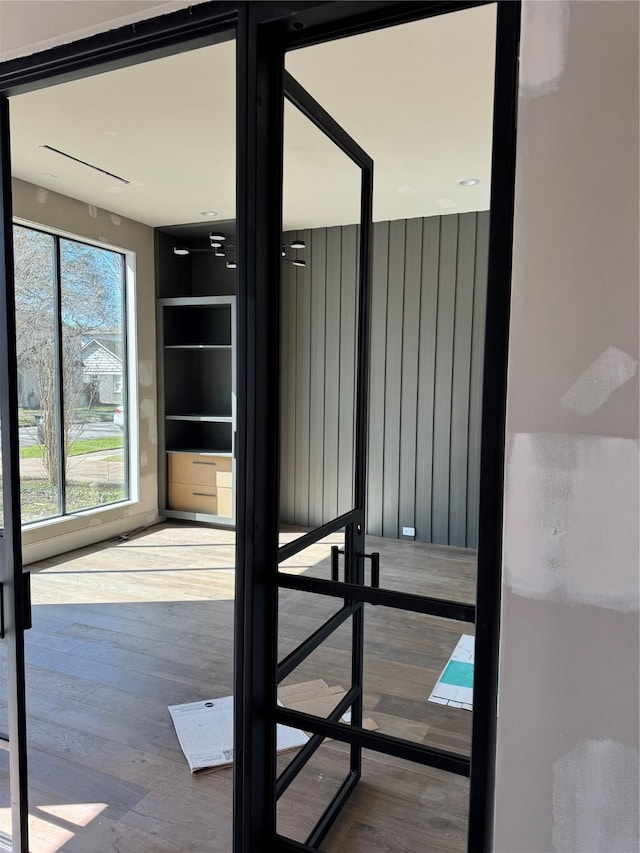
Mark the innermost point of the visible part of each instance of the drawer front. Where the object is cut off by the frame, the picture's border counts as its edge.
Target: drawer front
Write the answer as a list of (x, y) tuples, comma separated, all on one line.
[(193, 498), (197, 469), (224, 480), (225, 503)]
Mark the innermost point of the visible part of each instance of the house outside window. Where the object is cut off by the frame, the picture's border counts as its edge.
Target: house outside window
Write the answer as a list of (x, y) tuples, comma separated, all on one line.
[(72, 364)]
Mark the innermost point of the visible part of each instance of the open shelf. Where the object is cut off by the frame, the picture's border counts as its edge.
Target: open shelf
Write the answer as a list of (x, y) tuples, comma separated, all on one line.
[(199, 436), (196, 340), (222, 419), (197, 326), (197, 346)]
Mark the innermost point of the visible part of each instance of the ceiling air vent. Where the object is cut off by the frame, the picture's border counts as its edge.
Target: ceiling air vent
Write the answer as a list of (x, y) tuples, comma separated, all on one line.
[(84, 163)]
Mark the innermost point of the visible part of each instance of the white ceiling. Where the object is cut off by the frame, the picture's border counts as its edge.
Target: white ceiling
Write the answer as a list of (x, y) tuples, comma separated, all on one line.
[(418, 98)]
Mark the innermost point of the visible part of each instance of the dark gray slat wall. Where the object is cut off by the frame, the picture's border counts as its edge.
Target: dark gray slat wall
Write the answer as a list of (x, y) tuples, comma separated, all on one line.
[(288, 354), (477, 359), (316, 253), (430, 262), (444, 379), (347, 378), (462, 339), (410, 366), (332, 412), (377, 373), (302, 386), (393, 385), (428, 293)]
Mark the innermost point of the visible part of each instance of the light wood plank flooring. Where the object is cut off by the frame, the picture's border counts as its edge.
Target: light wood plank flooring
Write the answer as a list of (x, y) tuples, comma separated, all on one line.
[(124, 629)]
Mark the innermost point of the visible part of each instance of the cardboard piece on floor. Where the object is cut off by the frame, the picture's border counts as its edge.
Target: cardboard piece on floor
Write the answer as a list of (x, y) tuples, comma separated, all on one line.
[(306, 690), (205, 733), (455, 685), (319, 699)]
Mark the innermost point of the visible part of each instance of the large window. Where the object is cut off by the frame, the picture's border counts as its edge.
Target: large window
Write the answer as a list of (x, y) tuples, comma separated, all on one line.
[(72, 369)]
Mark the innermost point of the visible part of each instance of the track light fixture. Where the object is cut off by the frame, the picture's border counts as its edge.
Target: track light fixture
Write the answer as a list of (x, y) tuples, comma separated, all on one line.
[(218, 245), (295, 245)]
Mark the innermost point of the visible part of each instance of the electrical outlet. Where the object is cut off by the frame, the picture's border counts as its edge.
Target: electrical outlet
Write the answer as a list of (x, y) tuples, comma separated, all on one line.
[(408, 531)]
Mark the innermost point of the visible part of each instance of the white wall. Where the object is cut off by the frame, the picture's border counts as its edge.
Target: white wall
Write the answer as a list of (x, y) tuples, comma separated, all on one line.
[(51, 210), (567, 775), (28, 26)]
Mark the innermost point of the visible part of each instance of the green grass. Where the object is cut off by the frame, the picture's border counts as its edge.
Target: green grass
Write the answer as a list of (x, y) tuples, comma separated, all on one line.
[(38, 499), (76, 448)]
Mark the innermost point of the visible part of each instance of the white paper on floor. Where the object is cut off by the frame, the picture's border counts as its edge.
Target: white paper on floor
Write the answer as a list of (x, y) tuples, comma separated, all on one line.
[(455, 685), (205, 732)]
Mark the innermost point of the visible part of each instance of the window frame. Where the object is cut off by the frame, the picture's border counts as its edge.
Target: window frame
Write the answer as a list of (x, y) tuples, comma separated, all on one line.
[(129, 374)]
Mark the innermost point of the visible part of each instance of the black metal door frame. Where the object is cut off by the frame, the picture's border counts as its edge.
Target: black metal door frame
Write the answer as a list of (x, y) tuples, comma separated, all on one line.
[(14, 601), (257, 668), (264, 30)]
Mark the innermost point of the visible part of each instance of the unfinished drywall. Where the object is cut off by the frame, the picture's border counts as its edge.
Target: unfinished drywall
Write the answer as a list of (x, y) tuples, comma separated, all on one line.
[(38, 206), (429, 280), (567, 757)]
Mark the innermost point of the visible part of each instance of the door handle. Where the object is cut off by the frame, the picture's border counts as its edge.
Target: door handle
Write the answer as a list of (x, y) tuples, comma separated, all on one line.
[(26, 604), (375, 568), (335, 553)]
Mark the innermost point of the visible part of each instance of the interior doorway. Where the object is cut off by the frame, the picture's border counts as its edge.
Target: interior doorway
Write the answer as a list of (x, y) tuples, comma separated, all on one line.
[(330, 484)]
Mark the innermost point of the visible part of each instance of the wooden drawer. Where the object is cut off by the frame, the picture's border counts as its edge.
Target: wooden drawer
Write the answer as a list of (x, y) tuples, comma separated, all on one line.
[(193, 498), (198, 469), (225, 502), (224, 480)]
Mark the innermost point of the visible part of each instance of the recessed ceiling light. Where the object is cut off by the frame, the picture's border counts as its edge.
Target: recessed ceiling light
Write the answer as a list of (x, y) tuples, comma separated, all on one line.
[(219, 253), (216, 236), (298, 262), (469, 182), (180, 250), (208, 213), (231, 265), (446, 203), (216, 244), (298, 244), (407, 190)]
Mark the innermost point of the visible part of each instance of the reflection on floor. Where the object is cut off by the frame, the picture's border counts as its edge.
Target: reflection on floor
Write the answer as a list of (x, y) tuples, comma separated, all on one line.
[(124, 629)]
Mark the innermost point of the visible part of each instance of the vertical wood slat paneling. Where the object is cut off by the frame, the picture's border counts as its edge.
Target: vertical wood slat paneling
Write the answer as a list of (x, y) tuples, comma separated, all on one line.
[(302, 404), (410, 361), (377, 371), (465, 267), (427, 335), (332, 372), (346, 419), (287, 375), (481, 266), (444, 378), (393, 383), (318, 264), (427, 376)]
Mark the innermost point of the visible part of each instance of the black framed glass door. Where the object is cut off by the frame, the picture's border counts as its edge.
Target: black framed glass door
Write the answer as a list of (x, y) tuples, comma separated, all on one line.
[(273, 555), (15, 605)]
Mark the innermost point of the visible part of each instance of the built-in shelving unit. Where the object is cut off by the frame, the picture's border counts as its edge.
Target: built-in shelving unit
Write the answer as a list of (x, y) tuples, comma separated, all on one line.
[(196, 371)]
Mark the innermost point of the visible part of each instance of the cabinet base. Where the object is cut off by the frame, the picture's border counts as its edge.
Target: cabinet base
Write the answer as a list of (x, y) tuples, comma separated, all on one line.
[(202, 517)]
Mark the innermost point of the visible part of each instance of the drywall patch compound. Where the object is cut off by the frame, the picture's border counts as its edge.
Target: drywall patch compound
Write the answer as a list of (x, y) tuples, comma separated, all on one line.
[(612, 369), (547, 26), (595, 799), (562, 491)]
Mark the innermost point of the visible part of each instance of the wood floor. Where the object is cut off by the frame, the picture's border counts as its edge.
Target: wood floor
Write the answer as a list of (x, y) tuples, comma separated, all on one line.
[(122, 630)]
